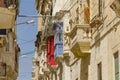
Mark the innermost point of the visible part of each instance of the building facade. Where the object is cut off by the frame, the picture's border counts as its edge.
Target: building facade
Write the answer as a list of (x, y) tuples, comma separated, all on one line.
[(9, 50), (85, 34), (104, 60)]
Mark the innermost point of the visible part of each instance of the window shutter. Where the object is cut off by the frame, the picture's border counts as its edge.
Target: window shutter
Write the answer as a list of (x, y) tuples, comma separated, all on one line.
[(116, 61)]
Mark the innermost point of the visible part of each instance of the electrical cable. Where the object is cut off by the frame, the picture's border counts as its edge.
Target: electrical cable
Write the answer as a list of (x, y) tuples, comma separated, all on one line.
[(26, 42), (22, 39), (34, 16), (30, 52), (24, 72)]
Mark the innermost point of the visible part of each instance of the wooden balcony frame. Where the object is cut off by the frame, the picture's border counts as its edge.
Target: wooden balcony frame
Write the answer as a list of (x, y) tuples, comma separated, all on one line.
[(9, 18)]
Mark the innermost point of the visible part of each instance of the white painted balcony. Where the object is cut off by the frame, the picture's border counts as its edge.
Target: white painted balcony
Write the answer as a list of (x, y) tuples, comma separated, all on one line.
[(80, 40)]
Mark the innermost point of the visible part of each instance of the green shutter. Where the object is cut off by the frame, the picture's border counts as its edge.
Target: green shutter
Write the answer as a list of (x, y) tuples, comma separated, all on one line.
[(116, 59)]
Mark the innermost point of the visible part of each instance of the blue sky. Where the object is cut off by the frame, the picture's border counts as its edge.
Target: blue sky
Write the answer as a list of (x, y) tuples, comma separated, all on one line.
[(26, 35)]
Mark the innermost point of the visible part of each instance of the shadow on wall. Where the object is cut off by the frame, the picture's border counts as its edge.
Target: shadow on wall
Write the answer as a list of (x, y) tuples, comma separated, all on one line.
[(85, 62)]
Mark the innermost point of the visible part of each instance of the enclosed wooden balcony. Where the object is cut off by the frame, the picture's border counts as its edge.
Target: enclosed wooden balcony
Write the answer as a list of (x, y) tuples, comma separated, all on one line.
[(80, 40), (7, 18), (58, 45), (115, 5)]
